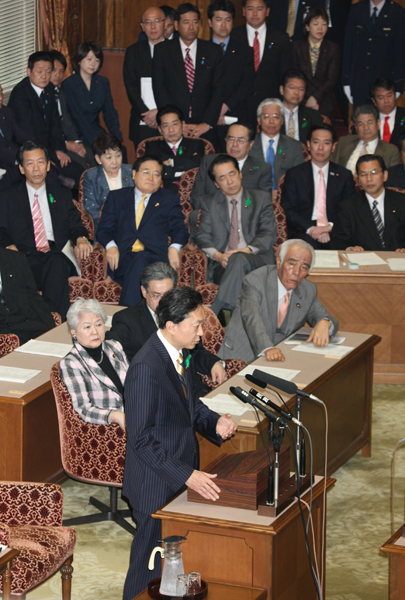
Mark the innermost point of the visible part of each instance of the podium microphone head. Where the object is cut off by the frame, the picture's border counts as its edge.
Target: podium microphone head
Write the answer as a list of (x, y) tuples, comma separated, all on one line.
[(259, 382)]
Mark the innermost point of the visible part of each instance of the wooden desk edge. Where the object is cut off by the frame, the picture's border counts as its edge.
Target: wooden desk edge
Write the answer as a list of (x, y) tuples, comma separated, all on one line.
[(390, 545)]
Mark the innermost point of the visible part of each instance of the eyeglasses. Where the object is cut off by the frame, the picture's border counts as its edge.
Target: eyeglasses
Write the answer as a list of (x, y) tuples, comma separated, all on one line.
[(276, 117), (235, 140), (156, 21), (155, 295), (374, 172), (146, 172)]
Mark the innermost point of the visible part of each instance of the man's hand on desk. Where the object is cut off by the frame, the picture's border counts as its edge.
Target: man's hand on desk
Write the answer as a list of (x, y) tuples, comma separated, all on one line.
[(202, 483), (274, 354), (356, 249), (218, 373), (320, 334), (400, 250), (226, 428)]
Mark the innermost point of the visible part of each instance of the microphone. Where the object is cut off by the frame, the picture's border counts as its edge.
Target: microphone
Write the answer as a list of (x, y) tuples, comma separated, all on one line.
[(289, 387), (274, 406), (248, 399)]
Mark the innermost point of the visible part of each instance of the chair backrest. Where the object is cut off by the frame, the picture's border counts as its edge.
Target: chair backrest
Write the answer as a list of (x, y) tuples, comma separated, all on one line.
[(185, 186), (213, 332), (281, 224), (140, 151), (306, 153), (326, 120), (8, 343), (90, 453), (394, 189)]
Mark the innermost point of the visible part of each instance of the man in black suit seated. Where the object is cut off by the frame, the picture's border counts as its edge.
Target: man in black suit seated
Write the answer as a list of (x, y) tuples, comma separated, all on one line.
[(35, 109), (298, 119), (38, 220), (138, 67), (373, 219), (11, 138), (133, 326), (177, 153), (396, 174), (272, 53), (392, 117), (22, 310), (313, 190), (188, 72)]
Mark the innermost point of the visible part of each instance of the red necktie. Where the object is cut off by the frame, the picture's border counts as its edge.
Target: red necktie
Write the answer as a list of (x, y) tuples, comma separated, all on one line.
[(386, 131), (282, 311), (41, 241), (174, 150), (256, 51), (188, 63)]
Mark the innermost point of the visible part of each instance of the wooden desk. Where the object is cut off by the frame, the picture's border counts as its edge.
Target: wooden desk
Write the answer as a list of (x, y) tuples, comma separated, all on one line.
[(29, 433), (223, 591), (239, 547), (397, 565), (6, 564), (369, 300), (345, 385)]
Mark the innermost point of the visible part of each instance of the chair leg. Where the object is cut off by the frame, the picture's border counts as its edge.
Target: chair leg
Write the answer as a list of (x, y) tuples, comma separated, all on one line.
[(66, 571)]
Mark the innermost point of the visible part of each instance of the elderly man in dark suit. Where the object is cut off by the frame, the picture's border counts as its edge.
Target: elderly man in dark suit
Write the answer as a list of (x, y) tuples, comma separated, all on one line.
[(22, 310), (133, 326), (392, 117), (39, 220), (162, 416), (177, 153), (137, 70), (297, 118), (313, 190), (135, 226), (237, 231), (373, 219), (276, 148), (11, 138), (188, 72), (275, 302), (35, 109)]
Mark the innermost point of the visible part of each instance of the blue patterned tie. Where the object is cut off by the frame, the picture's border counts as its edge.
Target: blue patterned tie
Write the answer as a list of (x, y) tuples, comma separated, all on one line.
[(270, 158), (378, 223)]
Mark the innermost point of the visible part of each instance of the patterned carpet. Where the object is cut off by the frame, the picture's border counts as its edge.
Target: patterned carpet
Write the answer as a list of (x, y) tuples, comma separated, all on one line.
[(358, 522)]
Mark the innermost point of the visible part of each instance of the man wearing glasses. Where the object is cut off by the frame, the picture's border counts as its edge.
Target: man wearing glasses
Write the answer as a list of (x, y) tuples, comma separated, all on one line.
[(298, 119), (277, 149), (373, 219), (134, 228)]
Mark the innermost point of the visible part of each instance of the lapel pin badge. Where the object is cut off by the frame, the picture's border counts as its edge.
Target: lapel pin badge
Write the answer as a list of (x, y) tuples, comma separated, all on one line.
[(157, 204), (113, 355), (203, 59), (298, 305), (248, 201)]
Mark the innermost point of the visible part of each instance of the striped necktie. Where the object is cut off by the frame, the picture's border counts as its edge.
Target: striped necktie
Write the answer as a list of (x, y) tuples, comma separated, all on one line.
[(41, 241), (188, 63), (378, 222), (256, 51), (180, 373)]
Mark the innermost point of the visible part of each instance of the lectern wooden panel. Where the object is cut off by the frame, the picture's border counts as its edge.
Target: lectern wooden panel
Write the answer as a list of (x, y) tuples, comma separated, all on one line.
[(396, 552)]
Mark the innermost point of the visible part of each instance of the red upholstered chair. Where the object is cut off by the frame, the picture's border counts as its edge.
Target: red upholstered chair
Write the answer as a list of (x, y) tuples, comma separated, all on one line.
[(326, 120), (92, 454), (8, 343), (213, 335), (140, 151), (31, 522), (187, 252)]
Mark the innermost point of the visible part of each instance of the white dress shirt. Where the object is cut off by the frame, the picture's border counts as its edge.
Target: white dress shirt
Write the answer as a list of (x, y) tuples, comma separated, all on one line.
[(193, 50), (261, 37), (391, 121), (380, 204), (378, 7), (171, 350), (355, 155), (294, 113), (114, 183), (265, 143), (281, 292), (153, 315), (44, 206), (37, 89)]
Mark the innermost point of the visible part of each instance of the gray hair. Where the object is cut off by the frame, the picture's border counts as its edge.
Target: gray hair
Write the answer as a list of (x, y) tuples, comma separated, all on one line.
[(287, 244), (270, 102), (365, 109), (81, 306), (156, 272)]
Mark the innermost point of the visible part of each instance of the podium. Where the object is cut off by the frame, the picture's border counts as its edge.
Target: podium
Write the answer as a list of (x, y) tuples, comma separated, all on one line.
[(239, 547), (395, 547)]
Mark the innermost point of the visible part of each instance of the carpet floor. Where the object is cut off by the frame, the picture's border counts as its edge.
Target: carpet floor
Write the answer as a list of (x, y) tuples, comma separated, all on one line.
[(358, 522)]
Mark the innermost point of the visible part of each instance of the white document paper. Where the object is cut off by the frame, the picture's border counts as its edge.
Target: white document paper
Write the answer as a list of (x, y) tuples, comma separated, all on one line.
[(330, 349), (17, 375), (147, 95), (45, 348), (327, 259), (225, 403), (396, 264), (230, 120), (287, 374), (108, 323), (294, 338), (365, 258)]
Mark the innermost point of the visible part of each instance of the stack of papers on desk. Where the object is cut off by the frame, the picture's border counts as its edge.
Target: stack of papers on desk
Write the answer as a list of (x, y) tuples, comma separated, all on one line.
[(326, 259), (396, 264), (365, 258), (287, 374), (17, 375), (329, 350), (226, 403), (45, 348)]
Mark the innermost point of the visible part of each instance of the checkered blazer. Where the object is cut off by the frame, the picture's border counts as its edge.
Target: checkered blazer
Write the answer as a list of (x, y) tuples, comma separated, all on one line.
[(93, 394)]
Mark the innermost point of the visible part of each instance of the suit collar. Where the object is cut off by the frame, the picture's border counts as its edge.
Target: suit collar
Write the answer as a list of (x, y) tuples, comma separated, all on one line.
[(367, 219)]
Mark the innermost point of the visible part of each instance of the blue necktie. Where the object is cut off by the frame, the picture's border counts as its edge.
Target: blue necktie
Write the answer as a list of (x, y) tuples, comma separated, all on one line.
[(1, 133), (270, 158), (374, 16)]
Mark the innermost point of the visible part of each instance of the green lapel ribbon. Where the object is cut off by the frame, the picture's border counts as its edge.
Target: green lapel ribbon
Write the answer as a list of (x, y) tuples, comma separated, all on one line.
[(254, 168), (180, 150), (187, 361), (305, 123), (248, 201), (280, 151), (51, 199)]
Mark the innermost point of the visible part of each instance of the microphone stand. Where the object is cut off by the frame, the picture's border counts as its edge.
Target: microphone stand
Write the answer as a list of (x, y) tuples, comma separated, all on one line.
[(277, 441), (270, 486), (297, 443)]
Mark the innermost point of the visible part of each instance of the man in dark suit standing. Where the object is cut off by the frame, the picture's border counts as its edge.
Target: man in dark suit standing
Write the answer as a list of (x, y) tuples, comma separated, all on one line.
[(237, 231), (138, 72), (34, 106), (177, 153), (22, 310), (396, 174), (135, 225), (313, 190), (162, 416), (289, 15), (133, 326), (373, 219), (38, 220), (298, 119), (392, 117), (188, 73), (11, 139), (272, 53), (374, 47)]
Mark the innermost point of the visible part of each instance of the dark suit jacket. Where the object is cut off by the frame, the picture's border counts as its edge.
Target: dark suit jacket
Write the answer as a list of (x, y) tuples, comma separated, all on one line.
[(27, 310), (277, 59), (298, 195), (13, 137), (399, 125), (396, 177), (320, 85), (372, 52), (347, 144), (354, 225), (306, 118), (238, 79), (188, 156), (85, 106), (289, 153), (163, 217), (256, 175), (170, 82), (162, 448), (44, 126), (16, 226), (279, 14), (339, 13)]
